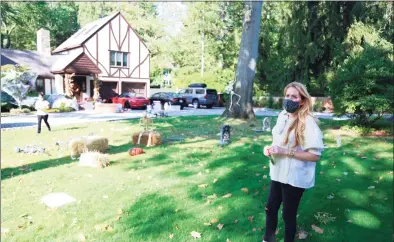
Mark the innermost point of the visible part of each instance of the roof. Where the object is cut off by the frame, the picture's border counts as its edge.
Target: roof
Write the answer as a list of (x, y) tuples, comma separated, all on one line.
[(84, 33), (32, 59), (78, 63)]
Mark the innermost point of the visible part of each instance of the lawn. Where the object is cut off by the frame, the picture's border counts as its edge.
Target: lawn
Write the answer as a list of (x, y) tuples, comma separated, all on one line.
[(178, 187)]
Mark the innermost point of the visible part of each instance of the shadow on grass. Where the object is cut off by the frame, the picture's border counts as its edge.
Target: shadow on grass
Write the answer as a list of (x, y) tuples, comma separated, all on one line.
[(153, 217), (10, 172)]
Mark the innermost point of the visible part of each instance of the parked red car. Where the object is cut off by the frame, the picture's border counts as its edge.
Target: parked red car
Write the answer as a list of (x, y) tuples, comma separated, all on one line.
[(130, 100)]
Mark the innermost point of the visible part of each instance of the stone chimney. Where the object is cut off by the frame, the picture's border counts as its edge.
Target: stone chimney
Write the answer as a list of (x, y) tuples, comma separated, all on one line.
[(44, 42)]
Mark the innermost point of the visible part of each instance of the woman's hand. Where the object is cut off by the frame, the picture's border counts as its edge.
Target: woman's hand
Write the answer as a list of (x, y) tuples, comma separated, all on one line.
[(278, 150), (267, 150)]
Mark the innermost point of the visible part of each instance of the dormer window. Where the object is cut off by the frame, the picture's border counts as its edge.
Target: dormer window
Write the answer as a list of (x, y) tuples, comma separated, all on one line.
[(119, 59)]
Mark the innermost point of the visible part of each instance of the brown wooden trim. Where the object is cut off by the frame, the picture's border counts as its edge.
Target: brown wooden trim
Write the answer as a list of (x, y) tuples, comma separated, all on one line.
[(134, 31), (124, 40), (119, 36), (71, 48), (113, 34), (139, 66), (113, 74), (88, 52), (125, 78), (139, 58), (123, 72), (75, 59)]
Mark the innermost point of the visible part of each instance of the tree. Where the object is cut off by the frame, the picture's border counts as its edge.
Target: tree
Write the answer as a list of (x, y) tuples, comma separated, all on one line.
[(16, 82), (242, 107), (363, 84)]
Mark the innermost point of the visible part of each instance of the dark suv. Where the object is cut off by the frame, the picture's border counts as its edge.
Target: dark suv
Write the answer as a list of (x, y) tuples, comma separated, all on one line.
[(198, 94)]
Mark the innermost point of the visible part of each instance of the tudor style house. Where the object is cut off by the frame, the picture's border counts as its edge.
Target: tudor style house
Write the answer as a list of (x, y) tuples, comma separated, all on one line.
[(108, 48)]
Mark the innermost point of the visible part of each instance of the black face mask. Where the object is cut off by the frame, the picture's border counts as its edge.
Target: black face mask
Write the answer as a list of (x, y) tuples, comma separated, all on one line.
[(290, 106)]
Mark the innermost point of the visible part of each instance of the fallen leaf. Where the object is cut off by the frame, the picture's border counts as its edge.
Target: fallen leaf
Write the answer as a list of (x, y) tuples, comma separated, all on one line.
[(120, 211), (364, 157), (321, 173), (338, 180), (345, 173), (195, 234), (236, 221), (215, 180), (330, 197), (118, 217), (171, 236), (110, 229), (349, 221), (213, 196), (317, 229), (302, 234), (264, 167), (220, 207), (258, 174), (199, 174), (245, 190), (227, 240), (256, 193), (265, 177), (250, 218), (254, 229), (203, 185), (215, 220), (105, 196), (209, 201), (371, 187), (81, 237), (207, 224), (228, 195), (220, 226)]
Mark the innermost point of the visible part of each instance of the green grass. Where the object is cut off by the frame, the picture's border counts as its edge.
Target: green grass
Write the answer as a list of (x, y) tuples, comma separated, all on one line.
[(158, 191)]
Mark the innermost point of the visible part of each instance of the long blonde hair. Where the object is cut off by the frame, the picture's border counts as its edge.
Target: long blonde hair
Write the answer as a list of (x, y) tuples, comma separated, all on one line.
[(303, 111)]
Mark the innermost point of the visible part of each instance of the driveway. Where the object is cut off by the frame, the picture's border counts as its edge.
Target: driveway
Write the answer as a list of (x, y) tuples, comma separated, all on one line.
[(60, 119)]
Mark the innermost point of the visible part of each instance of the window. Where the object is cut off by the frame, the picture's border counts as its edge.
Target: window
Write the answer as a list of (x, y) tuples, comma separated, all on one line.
[(40, 85), (119, 59), (200, 91)]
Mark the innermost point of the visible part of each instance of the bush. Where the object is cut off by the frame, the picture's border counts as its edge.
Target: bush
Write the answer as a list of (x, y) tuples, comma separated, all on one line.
[(271, 102), (19, 111), (363, 83)]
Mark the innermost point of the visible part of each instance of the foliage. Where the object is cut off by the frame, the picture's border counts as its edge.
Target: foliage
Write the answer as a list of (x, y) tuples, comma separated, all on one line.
[(324, 218), (363, 85), (19, 111), (318, 106), (16, 82)]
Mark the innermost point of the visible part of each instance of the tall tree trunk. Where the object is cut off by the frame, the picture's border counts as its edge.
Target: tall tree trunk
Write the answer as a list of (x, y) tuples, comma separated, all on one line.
[(240, 104)]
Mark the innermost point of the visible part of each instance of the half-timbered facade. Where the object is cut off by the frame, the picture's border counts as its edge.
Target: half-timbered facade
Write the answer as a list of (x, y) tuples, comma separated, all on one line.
[(108, 48), (122, 58)]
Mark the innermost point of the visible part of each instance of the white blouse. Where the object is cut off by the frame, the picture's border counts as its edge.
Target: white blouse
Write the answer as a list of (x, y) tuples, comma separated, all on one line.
[(290, 170)]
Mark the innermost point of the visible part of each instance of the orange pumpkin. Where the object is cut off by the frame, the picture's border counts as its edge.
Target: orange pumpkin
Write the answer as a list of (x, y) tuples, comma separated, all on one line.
[(135, 151)]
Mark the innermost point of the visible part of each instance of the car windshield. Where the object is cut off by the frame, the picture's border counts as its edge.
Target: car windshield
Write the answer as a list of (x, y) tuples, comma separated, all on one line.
[(128, 94), (173, 95), (211, 91)]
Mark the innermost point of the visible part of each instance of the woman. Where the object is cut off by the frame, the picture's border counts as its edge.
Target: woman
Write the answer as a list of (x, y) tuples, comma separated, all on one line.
[(296, 147), (41, 105)]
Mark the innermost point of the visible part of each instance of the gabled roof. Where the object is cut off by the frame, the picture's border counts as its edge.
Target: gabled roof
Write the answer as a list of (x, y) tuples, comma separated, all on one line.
[(84, 33), (77, 62), (37, 63)]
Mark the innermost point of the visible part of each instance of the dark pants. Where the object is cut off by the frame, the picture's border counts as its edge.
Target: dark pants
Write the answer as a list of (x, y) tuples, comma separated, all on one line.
[(291, 197), (45, 118)]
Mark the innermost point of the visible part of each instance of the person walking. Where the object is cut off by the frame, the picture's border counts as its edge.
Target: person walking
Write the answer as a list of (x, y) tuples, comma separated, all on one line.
[(296, 147), (40, 106)]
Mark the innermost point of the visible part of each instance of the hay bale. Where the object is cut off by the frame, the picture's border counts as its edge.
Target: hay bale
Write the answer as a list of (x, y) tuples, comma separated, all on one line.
[(94, 159), (90, 143), (142, 138), (77, 146), (96, 143)]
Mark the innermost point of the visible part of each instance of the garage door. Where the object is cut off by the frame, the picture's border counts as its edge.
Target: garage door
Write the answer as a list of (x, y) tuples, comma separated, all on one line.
[(138, 88), (108, 89)]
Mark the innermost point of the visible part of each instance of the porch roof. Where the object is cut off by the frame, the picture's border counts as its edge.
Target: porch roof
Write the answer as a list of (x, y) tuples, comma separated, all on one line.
[(77, 62)]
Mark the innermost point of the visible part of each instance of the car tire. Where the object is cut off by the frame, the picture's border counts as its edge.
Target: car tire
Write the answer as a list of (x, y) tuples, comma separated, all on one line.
[(209, 106), (196, 104), (182, 107)]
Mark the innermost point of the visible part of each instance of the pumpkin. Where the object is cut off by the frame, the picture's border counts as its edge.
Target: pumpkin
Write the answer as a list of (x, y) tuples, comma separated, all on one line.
[(135, 151)]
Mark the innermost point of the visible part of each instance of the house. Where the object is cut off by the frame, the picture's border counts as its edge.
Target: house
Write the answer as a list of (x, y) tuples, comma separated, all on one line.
[(108, 48)]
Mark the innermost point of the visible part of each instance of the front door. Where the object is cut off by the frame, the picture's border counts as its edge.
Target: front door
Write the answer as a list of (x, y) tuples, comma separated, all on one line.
[(79, 87)]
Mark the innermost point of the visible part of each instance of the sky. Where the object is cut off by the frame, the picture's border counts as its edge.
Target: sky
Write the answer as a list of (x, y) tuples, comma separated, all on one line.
[(173, 13)]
